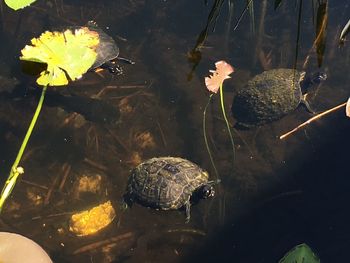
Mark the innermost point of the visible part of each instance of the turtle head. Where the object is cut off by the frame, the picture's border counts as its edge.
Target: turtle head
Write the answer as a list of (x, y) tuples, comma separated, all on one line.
[(307, 80), (206, 191)]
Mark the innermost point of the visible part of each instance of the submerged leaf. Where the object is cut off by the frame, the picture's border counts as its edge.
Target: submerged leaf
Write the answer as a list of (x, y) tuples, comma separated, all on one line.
[(222, 72), (321, 29), (300, 254), (347, 108), (68, 55), (18, 4), (195, 56)]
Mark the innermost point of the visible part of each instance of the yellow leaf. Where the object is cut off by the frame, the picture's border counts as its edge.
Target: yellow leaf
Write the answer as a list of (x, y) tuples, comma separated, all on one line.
[(68, 55)]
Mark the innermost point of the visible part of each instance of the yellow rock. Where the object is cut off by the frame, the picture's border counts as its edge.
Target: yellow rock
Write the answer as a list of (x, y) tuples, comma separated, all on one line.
[(89, 222)]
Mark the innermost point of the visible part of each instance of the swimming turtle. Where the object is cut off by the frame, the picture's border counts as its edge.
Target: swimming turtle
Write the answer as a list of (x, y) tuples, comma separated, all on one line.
[(107, 51), (168, 183), (271, 95)]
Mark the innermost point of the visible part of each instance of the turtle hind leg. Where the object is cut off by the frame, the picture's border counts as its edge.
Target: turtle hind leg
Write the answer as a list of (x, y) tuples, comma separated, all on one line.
[(306, 104), (188, 211)]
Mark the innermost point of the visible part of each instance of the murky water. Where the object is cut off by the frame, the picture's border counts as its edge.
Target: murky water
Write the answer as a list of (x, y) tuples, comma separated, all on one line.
[(279, 193)]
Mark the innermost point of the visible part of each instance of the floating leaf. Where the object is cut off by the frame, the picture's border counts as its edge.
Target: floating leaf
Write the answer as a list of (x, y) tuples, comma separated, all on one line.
[(222, 72), (18, 4), (300, 254), (347, 108), (68, 55)]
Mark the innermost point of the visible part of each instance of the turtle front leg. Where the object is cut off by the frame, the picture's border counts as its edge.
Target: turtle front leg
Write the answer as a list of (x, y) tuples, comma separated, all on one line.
[(127, 200), (113, 67), (306, 104), (188, 211), (126, 60)]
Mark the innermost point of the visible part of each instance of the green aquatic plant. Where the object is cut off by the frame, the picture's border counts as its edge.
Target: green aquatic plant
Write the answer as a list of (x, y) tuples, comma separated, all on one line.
[(68, 55), (214, 83), (300, 254)]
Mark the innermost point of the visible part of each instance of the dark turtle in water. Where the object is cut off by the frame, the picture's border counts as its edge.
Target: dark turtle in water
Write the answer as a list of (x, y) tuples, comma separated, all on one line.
[(168, 183), (271, 95), (107, 51)]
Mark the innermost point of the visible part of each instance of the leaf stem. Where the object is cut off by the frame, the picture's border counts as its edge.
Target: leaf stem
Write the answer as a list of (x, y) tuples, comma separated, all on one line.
[(15, 171), (205, 136), (226, 121)]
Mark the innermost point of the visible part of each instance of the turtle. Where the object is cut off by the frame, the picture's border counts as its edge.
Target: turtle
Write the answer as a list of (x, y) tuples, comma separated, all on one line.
[(107, 51), (168, 183), (271, 95)]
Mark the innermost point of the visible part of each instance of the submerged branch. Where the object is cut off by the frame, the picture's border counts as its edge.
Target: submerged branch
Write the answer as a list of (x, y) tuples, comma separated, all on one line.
[(312, 119)]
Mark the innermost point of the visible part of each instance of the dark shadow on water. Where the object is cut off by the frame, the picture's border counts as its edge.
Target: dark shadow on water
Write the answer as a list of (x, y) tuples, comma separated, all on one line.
[(316, 214)]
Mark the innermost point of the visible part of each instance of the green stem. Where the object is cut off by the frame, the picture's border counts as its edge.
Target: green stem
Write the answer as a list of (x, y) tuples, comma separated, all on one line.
[(205, 136), (226, 121), (15, 172)]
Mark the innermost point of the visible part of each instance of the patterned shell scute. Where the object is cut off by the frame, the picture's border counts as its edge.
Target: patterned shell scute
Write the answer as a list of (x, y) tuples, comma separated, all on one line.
[(166, 182), (268, 97), (107, 49)]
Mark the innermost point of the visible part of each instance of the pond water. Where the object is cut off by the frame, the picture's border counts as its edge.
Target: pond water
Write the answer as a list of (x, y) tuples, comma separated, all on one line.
[(274, 194)]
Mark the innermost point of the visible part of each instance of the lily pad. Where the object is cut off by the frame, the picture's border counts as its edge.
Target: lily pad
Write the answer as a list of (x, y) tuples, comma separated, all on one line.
[(68, 55), (300, 254), (18, 4)]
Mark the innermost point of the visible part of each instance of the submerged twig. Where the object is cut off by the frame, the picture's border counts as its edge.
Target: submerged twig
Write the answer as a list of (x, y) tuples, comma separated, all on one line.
[(312, 119), (51, 189), (95, 164), (247, 7), (66, 170), (119, 141), (53, 215), (102, 243), (161, 134), (187, 230), (34, 184)]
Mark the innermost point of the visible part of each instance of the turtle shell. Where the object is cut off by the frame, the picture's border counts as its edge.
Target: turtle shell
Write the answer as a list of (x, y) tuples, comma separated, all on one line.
[(165, 182), (107, 49), (267, 97)]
